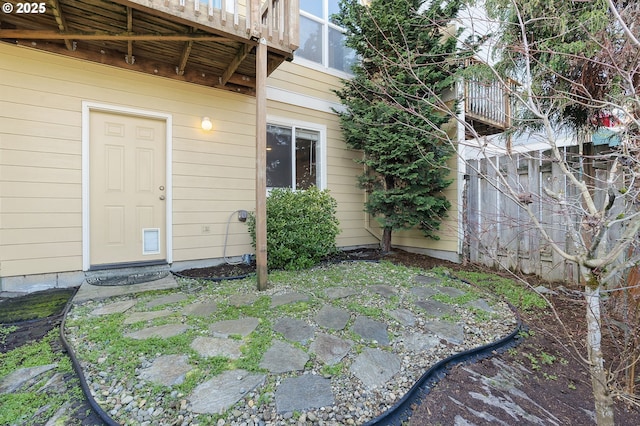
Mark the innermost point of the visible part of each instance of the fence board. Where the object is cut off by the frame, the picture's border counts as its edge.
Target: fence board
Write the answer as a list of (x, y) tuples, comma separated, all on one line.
[(499, 232)]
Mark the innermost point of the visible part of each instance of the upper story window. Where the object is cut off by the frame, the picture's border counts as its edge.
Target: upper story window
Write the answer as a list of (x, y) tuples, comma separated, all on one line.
[(294, 156), (321, 41)]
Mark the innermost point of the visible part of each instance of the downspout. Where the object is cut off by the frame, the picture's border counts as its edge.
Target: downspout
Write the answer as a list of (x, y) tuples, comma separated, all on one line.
[(367, 227), (367, 216)]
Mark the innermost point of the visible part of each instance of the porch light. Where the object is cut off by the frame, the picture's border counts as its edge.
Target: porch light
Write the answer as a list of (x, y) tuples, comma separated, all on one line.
[(206, 124)]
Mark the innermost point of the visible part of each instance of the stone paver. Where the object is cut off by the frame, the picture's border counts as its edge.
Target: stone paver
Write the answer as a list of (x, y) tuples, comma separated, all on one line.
[(294, 329), (370, 329), (285, 299), (436, 309), (200, 309), (242, 299), (146, 316), (114, 308), (452, 333), (332, 317), (16, 379), (481, 304), (283, 357), (207, 398), (385, 291), (167, 300), (215, 346), (404, 317), (161, 331), (451, 291), (374, 367), (424, 292), (419, 342), (330, 349), (167, 370), (242, 327), (334, 293), (303, 393)]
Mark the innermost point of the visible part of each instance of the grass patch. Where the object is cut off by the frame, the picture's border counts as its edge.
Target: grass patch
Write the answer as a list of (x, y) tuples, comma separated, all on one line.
[(458, 300), (6, 330), (332, 370), (369, 311), (30, 355), (516, 294), (37, 305), (31, 405)]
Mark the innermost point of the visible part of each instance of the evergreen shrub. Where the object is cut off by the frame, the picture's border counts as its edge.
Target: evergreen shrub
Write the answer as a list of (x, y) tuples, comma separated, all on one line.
[(301, 227)]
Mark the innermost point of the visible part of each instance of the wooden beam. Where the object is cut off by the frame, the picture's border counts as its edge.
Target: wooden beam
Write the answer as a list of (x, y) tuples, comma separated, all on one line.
[(261, 164), (148, 66), (184, 57), (99, 35), (241, 54), (60, 20), (130, 58)]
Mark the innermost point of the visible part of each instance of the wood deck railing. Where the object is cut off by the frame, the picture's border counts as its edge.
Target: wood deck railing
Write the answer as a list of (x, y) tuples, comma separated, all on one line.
[(488, 104), (275, 20)]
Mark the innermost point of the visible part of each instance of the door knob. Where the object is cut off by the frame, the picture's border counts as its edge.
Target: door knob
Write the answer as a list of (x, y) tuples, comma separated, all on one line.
[(161, 188), (162, 197)]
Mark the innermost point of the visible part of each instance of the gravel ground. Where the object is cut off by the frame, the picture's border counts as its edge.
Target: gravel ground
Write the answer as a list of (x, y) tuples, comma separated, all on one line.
[(131, 400)]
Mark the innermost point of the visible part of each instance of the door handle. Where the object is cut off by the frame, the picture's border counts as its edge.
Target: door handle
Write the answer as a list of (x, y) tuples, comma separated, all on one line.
[(162, 197), (161, 188)]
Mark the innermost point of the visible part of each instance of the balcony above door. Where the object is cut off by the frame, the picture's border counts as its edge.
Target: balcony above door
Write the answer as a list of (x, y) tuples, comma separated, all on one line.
[(206, 42)]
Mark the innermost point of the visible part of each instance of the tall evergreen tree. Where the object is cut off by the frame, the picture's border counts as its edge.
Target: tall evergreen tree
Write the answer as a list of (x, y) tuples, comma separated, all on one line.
[(387, 106)]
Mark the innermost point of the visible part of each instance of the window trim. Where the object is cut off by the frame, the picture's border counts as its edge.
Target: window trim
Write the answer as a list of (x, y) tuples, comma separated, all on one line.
[(321, 170)]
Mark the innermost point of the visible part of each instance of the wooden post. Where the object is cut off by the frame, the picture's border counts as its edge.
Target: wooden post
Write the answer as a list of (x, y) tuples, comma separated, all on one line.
[(261, 164)]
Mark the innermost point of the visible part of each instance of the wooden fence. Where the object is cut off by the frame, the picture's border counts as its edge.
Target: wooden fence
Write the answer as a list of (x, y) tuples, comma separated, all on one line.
[(498, 231)]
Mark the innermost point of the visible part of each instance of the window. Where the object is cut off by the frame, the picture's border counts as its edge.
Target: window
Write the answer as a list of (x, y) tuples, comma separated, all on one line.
[(321, 41), (292, 157)]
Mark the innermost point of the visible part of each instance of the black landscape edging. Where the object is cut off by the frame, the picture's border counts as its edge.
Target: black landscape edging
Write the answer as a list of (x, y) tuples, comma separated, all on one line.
[(78, 369), (396, 415), (215, 279), (402, 410)]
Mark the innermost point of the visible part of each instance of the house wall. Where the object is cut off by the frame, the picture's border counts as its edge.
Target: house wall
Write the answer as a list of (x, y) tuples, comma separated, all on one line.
[(41, 97), (319, 88), (447, 247)]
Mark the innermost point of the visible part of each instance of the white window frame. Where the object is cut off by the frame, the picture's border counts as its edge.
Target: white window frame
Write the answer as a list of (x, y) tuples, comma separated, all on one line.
[(321, 161), (326, 24)]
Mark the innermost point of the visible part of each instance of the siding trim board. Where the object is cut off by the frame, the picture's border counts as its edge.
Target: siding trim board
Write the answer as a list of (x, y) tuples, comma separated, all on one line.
[(301, 100), (87, 108)]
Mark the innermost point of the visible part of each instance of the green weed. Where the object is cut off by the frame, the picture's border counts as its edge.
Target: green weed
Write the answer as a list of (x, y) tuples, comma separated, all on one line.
[(515, 293)]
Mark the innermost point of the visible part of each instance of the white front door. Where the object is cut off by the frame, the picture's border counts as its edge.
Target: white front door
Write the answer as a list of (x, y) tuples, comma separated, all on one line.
[(127, 191)]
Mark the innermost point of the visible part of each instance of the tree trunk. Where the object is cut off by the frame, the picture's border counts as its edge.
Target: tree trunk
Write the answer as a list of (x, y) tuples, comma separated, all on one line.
[(603, 400), (385, 244)]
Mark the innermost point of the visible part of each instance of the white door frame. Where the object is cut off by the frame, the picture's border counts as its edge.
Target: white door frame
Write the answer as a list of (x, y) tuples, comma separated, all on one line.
[(87, 108)]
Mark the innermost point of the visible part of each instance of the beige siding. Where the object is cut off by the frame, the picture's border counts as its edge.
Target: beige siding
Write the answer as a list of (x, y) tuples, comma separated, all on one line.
[(341, 168), (40, 158), (307, 81), (41, 99), (341, 181)]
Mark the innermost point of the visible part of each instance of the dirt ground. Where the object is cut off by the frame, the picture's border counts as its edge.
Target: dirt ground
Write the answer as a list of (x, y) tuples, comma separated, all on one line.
[(552, 377), (555, 382)]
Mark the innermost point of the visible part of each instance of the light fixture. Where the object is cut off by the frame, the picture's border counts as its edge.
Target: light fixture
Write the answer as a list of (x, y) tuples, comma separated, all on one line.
[(206, 124)]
